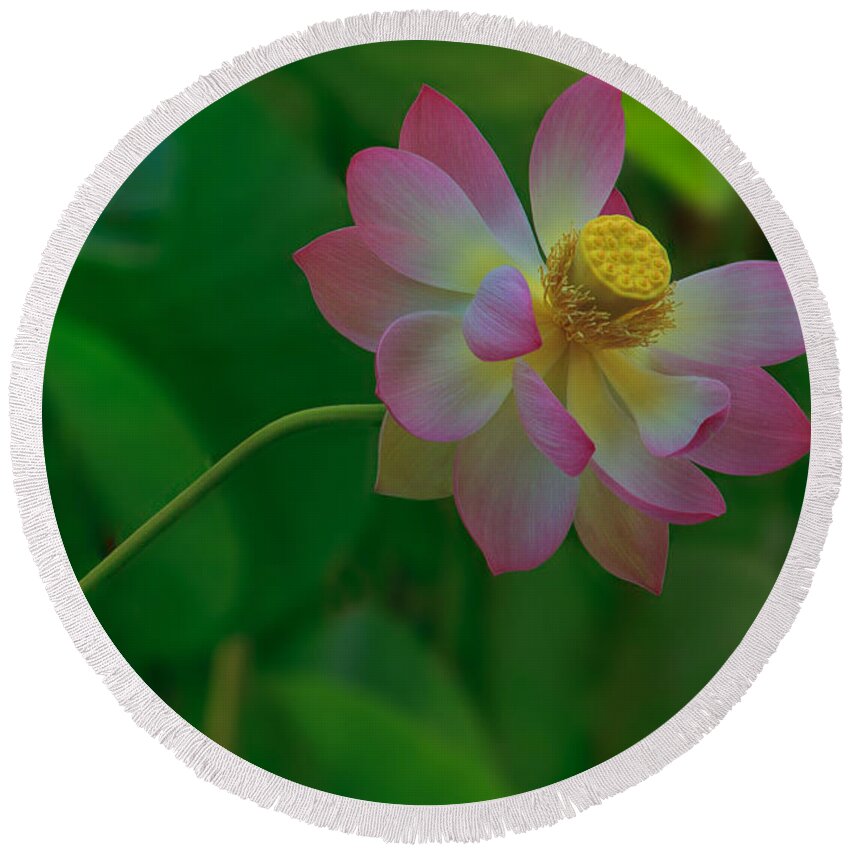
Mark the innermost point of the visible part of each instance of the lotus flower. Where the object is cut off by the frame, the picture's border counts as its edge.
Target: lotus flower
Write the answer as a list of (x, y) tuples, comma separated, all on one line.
[(575, 384)]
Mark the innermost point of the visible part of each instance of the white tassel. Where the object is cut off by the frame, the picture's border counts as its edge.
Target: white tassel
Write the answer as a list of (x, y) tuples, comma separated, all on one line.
[(472, 821)]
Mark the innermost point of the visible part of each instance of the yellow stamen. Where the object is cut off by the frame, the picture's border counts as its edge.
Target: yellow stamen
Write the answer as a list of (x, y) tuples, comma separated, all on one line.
[(586, 298)]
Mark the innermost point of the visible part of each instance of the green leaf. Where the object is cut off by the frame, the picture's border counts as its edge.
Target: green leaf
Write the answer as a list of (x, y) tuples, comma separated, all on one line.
[(347, 740), (368, 647), (118, 447), (360, 701), (542, 638)]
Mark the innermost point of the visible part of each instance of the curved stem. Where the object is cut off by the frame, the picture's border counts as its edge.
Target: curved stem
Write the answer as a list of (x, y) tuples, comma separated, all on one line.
[(292, 423)]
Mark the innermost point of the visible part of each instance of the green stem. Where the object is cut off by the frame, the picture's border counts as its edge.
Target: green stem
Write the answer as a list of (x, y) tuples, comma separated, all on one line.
[(292, 423)]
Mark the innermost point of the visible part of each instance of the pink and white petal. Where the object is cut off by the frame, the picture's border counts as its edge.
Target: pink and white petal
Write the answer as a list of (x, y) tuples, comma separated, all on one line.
[(416, 219), (437, 129), (629, 544), (669, 489), (616, 205), (576, 158), (358, 294), (499, 323), (433, 385), (514, 502), (674, 414), (741, 314), (410, 468), (548, 425), (766, 430)]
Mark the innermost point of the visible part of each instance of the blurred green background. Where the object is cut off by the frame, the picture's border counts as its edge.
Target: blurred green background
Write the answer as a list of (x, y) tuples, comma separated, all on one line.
[(352, 642)]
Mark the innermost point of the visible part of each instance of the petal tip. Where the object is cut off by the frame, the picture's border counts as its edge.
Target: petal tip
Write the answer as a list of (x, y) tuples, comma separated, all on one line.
[(298, 254), (301, 255), (704, 432), (589, 449), (498, 568), (426, 91), (654, 588), (494, 568), (363, 156), (719, 508), (601, 85), (537, 339)]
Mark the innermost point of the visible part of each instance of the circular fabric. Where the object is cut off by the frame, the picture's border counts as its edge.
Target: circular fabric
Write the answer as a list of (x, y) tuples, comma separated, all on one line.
[(519, 389)]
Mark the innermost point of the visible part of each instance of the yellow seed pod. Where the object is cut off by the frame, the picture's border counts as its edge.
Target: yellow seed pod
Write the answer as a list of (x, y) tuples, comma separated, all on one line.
[(632, 269)]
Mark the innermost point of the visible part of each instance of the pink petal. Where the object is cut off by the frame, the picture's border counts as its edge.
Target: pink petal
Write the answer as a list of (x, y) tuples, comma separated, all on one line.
[(416, 219), (437, 129), (499, 323), (433, 385), (515, 504), (674, 414), (669, 489), (576, 158), (358, 294), (411, 468), (736, 315), (616, 205), (627, 543), (548, 425), (765, 431)]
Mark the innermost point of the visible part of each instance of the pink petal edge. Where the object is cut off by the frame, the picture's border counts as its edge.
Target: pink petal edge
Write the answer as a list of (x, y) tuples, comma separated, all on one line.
[(548, 424), (765, 431), (741, 314), (437, 129), (674, 413), (360, 296), (432, 384), (516, 505), (418, 221), (576, 158), (670, 489), (499, 323), (627, 543)]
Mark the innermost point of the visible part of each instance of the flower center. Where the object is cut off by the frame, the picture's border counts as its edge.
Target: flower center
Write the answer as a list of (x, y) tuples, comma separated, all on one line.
[(609, 286)]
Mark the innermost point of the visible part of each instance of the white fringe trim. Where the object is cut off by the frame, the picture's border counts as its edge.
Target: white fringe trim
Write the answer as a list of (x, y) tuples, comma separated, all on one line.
[(472, 821)]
